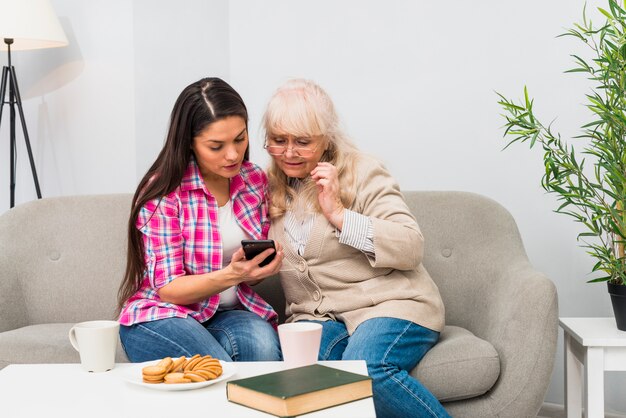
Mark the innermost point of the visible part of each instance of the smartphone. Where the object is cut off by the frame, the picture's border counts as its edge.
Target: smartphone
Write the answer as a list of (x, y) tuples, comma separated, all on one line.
[(254, 247)]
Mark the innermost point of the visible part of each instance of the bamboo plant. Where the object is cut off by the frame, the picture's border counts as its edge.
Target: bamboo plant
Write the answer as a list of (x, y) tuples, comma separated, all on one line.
[(594, 194)]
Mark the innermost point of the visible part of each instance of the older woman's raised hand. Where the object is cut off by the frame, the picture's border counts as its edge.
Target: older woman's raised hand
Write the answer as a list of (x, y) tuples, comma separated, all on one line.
[(326, 177)]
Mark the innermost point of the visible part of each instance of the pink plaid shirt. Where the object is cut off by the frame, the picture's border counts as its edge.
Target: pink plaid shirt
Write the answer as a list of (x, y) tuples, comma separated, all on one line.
[(181, 237)]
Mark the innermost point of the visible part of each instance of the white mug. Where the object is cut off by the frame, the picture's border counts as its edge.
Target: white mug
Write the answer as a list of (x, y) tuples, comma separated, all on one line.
[(96, 342), (300, 343)]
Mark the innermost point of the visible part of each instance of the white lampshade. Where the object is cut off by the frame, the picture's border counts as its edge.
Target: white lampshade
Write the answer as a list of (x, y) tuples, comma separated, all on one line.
[(32, 24)]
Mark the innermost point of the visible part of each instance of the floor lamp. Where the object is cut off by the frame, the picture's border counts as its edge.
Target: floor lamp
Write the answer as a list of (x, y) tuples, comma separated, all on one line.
[(24, 24)]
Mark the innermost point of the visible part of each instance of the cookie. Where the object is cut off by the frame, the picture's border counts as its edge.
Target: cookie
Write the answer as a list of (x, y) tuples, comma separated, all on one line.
[(152, 379), (176, 378), (191, 363), (206, 363), (177, 364), (194, 377), (205, 374), (153, 374), (166, 363), (153, 371), (215, 372)]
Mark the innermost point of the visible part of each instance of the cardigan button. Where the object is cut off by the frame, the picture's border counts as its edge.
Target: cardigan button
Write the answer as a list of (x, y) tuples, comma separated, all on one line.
[(446, 252), (316, 295), (302, 266)]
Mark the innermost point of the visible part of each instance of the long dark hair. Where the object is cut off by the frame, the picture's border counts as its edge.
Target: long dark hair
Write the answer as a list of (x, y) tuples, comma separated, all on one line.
[(200, 104)]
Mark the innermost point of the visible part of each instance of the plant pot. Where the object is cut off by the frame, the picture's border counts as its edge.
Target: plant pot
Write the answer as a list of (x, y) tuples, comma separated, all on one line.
[(618, 299)]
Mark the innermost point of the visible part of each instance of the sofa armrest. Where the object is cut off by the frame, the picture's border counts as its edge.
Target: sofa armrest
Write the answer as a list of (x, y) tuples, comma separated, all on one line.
[(13, 313), (522, 325), (12, 308)]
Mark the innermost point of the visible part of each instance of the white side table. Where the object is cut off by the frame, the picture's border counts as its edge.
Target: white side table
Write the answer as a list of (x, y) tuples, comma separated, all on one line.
[(592, 345)]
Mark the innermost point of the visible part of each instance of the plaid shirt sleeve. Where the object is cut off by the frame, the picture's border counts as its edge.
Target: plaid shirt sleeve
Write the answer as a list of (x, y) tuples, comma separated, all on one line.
[(159, 223)]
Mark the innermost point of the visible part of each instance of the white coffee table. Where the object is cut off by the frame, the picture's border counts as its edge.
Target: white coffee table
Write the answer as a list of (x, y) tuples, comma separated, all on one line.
[(66, 390)]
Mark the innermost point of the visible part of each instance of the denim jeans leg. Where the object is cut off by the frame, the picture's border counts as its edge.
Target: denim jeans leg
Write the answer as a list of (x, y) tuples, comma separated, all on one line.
[(391, 348), (334, 339), (245, 336), (170, 337)]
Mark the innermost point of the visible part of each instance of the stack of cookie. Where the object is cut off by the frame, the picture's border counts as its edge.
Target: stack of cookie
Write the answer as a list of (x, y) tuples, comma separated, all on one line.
[(183, 370)]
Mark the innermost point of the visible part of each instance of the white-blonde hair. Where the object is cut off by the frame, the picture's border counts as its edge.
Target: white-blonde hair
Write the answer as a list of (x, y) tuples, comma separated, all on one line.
[(301, 108)]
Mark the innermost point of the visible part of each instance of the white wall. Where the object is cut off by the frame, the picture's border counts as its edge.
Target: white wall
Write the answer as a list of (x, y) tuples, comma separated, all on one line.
[(413, 81), (79, 106), (173, 47)]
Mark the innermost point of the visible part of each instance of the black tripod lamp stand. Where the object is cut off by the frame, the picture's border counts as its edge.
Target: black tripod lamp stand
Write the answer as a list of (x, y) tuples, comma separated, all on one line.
[(24, 24), (8, 77)]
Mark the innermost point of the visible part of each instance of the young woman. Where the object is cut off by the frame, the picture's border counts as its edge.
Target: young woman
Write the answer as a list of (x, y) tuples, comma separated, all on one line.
[(186, 287), (353, 250)]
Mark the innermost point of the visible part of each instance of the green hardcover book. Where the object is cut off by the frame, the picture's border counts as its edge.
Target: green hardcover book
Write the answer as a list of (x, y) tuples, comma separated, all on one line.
[(298, 391)]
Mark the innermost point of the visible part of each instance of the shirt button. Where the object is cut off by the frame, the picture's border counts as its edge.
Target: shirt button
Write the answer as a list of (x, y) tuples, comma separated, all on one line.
[(302, 266), (316, 295)]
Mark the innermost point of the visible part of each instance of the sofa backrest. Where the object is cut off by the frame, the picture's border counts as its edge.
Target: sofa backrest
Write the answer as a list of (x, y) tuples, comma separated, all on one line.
[(67, 255), (470, 242)]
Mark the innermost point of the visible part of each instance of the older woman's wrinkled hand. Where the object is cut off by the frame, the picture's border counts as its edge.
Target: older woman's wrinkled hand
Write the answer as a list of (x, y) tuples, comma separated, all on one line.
[(326, 177)]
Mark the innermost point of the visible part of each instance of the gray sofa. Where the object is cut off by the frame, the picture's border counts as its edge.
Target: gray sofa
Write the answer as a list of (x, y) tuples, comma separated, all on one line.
[(61, 261)]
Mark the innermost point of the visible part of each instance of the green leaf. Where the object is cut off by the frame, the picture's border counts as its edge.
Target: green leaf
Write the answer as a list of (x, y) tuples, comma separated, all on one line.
[(526, 97), (605, 13), (600, 279)]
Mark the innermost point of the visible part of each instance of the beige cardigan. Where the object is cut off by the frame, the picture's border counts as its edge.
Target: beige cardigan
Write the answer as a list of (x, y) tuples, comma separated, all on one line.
[(336, 281)]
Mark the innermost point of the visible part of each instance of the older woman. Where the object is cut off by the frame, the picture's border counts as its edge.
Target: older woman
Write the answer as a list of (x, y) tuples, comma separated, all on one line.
[(353, 251)]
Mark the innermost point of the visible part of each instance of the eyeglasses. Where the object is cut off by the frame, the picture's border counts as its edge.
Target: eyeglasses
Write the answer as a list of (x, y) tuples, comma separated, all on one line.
[(279, 146)]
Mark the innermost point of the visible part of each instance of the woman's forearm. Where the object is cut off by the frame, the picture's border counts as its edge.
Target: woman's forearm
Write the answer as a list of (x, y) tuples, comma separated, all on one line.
[(185, 290)]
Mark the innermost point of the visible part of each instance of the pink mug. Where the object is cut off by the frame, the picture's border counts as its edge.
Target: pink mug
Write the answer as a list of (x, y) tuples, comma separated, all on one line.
[(300, 343)]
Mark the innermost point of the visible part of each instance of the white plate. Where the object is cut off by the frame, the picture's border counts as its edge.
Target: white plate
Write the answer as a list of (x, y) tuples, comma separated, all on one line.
[(133, 375)]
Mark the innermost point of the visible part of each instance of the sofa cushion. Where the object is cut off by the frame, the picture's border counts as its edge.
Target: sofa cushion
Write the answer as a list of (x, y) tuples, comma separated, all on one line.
[(42, 343), (459, 366)]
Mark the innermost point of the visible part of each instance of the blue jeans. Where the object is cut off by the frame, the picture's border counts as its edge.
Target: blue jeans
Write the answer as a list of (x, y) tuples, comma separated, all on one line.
[(236, 335), (391, 347)]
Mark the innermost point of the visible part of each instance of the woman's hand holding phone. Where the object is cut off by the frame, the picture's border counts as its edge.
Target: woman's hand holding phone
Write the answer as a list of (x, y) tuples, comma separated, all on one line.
[(254, 247), (253, 270)]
